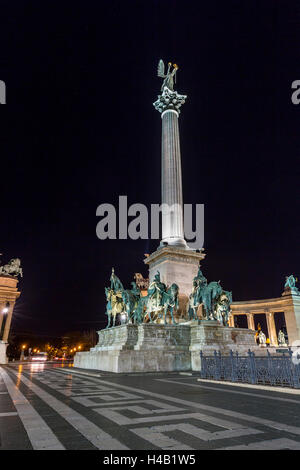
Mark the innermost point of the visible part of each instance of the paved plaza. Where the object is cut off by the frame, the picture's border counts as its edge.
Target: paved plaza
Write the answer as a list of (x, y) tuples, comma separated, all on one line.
[(54, 407)]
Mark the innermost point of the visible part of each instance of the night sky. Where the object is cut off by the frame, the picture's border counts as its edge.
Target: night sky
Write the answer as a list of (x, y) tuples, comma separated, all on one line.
[(80, 130)]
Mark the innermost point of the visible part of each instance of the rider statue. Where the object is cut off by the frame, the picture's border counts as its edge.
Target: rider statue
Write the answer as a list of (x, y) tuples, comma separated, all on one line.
[(115, 304), (199, 283), (115, 283), (156, 290), (135, 290)]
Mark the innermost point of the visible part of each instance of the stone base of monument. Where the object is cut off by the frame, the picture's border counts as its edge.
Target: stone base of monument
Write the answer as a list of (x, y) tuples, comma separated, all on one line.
[(162, 348), (143, 348), (3, 357), (209, 336)]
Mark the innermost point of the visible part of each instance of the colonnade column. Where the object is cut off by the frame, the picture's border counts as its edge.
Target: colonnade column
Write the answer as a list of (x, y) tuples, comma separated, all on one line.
[(250, 320), (8, 322), (2, 306), (271, 328)]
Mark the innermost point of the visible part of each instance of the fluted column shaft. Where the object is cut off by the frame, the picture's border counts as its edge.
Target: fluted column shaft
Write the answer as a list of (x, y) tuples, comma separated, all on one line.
[(172, 221)]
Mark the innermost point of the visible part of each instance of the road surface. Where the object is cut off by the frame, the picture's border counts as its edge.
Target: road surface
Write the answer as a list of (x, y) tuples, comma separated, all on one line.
[(47, 406)]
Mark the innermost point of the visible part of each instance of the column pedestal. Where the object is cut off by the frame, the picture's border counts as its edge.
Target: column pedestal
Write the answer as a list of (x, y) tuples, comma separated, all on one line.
[(178, 266)]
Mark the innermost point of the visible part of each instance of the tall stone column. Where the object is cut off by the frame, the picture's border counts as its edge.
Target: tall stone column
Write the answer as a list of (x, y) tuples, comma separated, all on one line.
[(172, 220), (168, 104), (175, 261)]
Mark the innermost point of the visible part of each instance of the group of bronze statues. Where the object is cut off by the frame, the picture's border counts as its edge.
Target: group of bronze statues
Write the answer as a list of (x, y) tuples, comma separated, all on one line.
[(161, 303), (216, 301)]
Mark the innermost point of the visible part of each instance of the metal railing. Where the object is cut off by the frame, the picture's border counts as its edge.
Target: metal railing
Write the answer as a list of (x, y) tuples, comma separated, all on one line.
[(281, 370)]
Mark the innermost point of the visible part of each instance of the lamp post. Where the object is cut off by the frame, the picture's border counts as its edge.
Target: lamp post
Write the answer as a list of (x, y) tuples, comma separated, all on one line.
[(22, 352)]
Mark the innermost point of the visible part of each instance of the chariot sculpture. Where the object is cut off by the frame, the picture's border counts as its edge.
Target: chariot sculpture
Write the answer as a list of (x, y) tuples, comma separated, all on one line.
[(13, 268)]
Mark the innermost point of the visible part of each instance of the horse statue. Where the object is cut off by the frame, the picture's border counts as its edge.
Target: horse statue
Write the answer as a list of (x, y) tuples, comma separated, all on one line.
[(13, 268), (154, 299), (140, 312), (131, 300), (193, 303), (170, 302), (115, 305), (208, 296), (195, 297)]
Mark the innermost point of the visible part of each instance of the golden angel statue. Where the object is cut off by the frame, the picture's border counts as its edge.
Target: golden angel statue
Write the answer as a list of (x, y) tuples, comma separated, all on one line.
[(169, 77)]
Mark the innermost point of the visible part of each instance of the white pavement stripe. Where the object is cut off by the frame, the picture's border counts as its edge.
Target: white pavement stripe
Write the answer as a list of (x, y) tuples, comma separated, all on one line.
[(272, 444), (155, 434), (269, 388), (11, 413), (225, 390), (39, 433), (89, 430), (223, 411)]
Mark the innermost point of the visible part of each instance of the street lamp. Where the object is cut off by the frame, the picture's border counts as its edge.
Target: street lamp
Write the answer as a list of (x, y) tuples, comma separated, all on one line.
[(22, 352)]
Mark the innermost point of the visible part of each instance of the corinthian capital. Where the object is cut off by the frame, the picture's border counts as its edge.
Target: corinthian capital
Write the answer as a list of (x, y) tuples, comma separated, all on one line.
[(169, 100)]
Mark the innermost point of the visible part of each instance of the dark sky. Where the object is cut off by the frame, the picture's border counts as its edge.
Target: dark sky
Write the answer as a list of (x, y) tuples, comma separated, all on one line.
[(80, 130)]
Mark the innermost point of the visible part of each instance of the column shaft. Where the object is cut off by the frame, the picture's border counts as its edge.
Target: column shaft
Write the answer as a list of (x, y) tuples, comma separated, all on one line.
[(250, 320), (271, 329), (2, 304), (8, 322), (172, 222)]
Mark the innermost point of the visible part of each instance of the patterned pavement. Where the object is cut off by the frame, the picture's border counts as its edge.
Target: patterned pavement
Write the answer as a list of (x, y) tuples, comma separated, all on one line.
[(47, 407)]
